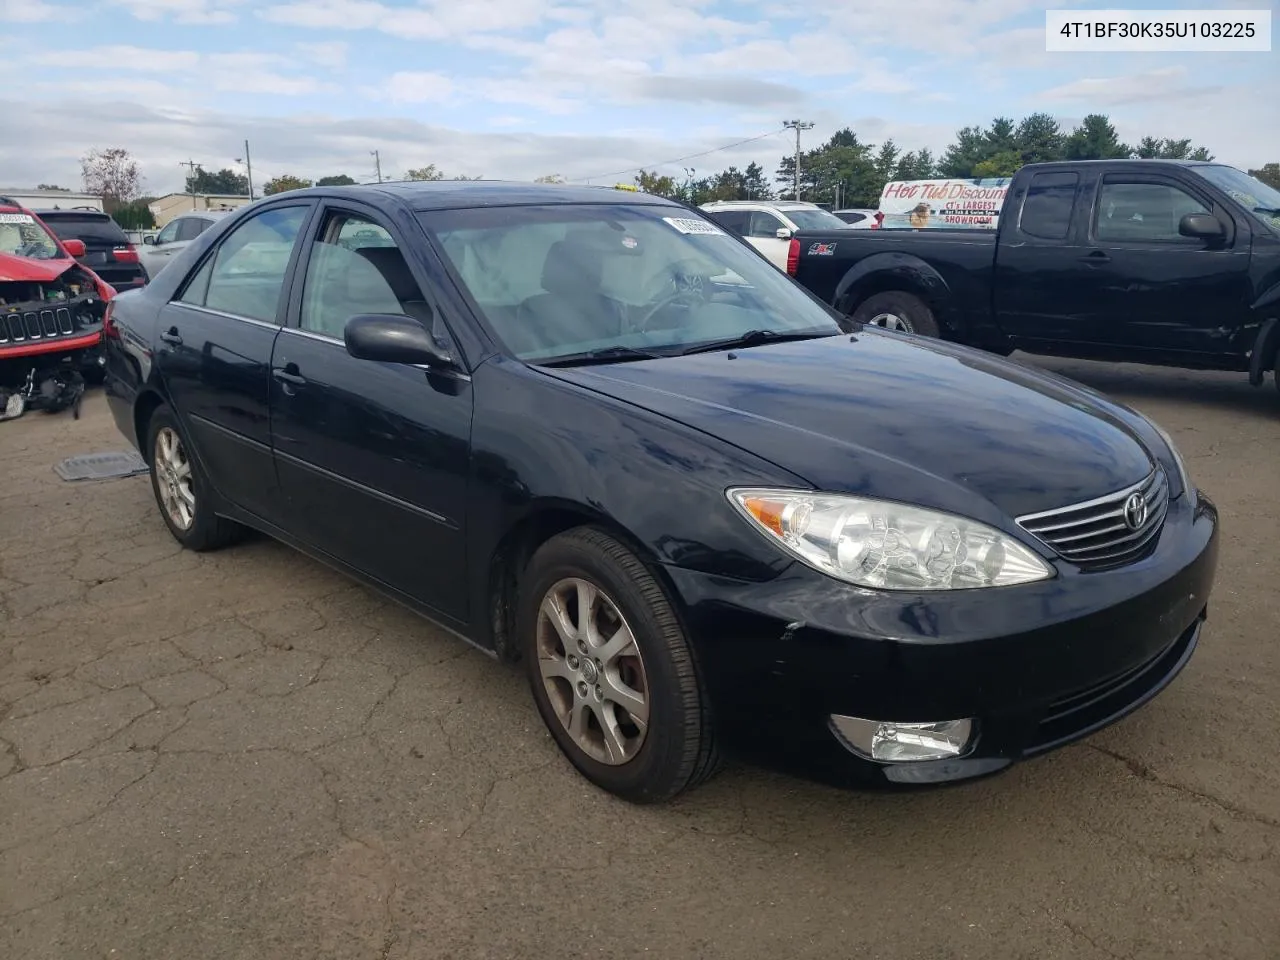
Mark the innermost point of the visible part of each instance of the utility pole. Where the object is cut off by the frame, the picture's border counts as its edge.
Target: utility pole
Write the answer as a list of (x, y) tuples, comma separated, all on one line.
[(248, 169), (190, 165), (377, 163), (797, 126)]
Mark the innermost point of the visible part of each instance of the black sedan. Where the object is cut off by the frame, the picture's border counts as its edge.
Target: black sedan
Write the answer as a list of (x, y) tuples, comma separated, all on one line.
[(588, 429)]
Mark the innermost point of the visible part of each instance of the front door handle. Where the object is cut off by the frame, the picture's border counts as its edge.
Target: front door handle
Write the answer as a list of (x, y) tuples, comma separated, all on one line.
[(1097, 256), (289, 374), (171, 336)]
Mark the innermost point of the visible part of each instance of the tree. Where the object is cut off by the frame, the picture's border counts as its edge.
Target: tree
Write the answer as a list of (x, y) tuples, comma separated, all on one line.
[(1269, 174), (112, 174), (54, 187), (1003, 164), (429, 172), (283, 183), (337, 180), (1153, 148), (1039, 139), (1095, 139), (225, 182), (135, 215), (970, 149), (550, 178), (659, 186)]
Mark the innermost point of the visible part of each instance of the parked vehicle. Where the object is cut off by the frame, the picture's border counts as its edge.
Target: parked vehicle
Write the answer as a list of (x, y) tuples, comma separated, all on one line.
[(1162, 262), (157, 251), (862, 219), (108, 251), (589, 429), (768, 224), (51, 315)]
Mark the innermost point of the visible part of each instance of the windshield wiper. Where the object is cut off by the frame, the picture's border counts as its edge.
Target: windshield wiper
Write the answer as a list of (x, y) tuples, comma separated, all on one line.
[(603, 355), (752, 338)]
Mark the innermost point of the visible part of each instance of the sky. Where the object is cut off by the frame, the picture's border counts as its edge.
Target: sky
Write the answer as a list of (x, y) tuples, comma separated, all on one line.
[(588, 89)]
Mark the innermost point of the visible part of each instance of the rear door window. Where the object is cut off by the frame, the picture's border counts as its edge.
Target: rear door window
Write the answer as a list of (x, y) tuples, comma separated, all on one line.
[(100, 231), (1046, 211), (191, 227)]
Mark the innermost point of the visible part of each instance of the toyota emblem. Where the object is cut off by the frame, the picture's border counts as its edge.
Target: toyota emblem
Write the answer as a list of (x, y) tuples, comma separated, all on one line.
[(1135, 511)]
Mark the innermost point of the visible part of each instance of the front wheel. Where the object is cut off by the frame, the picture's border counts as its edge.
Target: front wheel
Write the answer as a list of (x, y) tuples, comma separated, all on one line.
[(611, 670), (182, 490), (894, 310)]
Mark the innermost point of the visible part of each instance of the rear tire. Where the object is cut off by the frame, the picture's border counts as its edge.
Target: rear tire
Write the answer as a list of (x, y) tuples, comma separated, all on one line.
[(895, 310), (619, 691), (181, 488)]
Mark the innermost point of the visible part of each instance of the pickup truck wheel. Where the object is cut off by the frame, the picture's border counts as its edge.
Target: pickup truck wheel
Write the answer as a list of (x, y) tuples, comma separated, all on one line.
[(903, 312)]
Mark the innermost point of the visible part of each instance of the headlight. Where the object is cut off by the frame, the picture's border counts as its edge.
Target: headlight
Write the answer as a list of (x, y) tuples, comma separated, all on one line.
[(885, 545), (1184, 478)]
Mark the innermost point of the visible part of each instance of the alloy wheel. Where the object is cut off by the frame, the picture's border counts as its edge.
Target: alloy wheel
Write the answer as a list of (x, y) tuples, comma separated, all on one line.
[(891, 321), (173, 478), (592, 670)]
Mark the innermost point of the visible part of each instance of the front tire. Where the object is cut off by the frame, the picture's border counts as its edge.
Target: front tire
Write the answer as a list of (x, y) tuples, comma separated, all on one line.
[(895, 310), (181, 489), (611, 670)]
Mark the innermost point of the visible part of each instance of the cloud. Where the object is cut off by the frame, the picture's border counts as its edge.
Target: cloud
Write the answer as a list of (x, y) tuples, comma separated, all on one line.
[(331, 53), (742, 91), (32, 11), (1165, 84), (408, 86), (202, 12)]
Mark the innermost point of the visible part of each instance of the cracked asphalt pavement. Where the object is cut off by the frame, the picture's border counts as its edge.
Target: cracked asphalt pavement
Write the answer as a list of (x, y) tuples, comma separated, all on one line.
[(244, 755)]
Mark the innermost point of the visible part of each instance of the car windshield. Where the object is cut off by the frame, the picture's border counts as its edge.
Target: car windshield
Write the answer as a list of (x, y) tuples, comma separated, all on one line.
[(630, 280), (818, 219), (21, 235), (1255, 196)]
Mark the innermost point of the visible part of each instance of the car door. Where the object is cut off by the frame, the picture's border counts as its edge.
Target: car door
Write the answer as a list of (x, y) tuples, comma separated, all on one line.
[(762, 233), (1152, 289), (155, 255), (373, 457), (214, 352)]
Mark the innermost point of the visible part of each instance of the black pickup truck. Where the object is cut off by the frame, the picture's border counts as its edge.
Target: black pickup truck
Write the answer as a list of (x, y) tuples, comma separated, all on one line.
[(1150, 261)]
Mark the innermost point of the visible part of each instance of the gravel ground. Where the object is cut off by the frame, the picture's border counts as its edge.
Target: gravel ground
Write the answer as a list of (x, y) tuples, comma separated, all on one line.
[(244, 755)]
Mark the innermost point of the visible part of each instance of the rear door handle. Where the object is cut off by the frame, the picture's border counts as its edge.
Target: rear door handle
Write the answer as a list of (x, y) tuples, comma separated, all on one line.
[(1097, 256), (171, 336), (289, 374)]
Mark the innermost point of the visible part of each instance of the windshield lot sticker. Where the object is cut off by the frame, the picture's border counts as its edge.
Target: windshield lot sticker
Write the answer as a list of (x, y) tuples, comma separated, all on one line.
[(690, 225), (16, 218), (822, 250), (630, 242)]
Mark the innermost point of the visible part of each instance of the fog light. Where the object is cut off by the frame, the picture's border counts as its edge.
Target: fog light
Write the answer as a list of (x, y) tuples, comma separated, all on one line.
[(902, 742)]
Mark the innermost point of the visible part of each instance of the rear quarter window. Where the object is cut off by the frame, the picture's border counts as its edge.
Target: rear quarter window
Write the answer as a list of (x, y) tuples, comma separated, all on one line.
[(1046, 211)]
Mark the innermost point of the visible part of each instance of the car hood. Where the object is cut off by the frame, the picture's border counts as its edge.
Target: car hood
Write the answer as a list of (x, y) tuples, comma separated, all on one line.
[(897, 417), (33, 271)]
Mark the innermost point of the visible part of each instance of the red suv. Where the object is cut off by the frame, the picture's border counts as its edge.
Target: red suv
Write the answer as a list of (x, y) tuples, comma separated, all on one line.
[(52, 312)]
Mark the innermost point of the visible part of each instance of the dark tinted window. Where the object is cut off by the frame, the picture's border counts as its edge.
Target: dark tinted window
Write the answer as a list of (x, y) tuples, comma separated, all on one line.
[(735, 221), (1046, 212), (852, 217), (83, 226), (247, 271), (190, 227), (1143, 211)]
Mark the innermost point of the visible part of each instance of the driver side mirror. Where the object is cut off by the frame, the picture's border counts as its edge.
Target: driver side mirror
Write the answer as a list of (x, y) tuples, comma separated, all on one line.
[(1202, 226), (394, 338), (783, 233), (149, 240), (74, 247)]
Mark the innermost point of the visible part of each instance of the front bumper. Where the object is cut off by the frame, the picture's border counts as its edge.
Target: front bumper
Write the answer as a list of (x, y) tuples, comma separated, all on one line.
[(1036, 666)]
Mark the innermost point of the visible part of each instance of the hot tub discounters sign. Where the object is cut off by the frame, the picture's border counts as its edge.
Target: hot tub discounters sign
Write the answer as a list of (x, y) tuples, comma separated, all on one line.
[(944, 203)]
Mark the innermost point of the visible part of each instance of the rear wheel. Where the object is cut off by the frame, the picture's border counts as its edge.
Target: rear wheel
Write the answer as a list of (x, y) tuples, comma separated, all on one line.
[(895, 310), (611, 670), (182, 490)]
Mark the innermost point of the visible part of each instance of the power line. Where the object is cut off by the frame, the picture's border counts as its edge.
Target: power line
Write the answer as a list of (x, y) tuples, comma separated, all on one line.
[(692, 156)]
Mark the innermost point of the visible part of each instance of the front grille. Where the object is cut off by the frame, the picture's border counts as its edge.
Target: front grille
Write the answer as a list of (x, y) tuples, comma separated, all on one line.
[(36, 325), (1096, 535)]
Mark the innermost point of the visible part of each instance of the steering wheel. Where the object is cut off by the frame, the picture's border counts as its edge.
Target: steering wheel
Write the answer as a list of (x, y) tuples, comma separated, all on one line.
[(692, 289)]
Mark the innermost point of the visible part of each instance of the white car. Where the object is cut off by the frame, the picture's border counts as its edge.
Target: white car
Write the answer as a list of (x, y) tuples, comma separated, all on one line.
[(768, 224), (157, 251), (860, 218)]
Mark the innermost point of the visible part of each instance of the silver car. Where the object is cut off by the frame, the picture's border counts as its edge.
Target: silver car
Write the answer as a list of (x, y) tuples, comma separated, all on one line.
[(157, 251)]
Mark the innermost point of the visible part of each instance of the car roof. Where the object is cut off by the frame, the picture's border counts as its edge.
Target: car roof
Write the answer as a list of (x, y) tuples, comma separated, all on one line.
[(775, 204), (423, 195), (44, 214)]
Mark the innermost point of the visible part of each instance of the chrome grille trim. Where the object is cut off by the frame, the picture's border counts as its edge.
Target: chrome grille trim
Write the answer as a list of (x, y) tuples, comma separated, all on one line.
[(1094, 535), (47, 324)]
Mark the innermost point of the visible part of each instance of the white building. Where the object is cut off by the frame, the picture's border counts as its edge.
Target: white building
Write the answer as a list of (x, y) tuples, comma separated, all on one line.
[(51, 199)]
